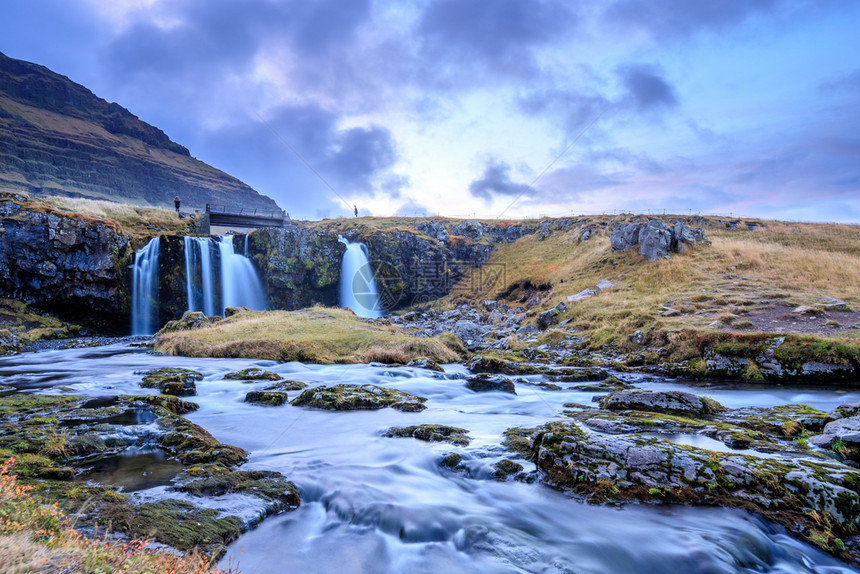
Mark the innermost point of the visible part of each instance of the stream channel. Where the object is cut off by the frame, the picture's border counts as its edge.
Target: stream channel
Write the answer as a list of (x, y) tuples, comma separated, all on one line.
[(374, 504)]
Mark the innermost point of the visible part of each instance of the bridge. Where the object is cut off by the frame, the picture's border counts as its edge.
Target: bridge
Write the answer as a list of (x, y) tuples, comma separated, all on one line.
[(232, 216)]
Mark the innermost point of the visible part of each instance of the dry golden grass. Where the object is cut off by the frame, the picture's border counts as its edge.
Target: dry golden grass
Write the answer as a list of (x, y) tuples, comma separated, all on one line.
[(317, 334), (798, 263), (133, 218)]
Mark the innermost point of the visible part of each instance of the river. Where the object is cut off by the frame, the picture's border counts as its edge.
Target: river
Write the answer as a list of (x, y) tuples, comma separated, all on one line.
[(373, 504)]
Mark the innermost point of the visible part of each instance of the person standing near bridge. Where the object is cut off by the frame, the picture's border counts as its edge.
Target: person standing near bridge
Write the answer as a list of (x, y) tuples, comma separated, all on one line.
[(176, 202), (355, 208)]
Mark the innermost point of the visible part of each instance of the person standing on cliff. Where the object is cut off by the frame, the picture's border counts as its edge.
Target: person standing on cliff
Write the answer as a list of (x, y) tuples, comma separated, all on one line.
[(355, 208), (176, 202)]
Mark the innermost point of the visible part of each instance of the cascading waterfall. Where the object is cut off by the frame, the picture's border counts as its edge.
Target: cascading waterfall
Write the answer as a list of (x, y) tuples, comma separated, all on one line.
[(200, 279), (144, 289), (357, 284), (240, 284)]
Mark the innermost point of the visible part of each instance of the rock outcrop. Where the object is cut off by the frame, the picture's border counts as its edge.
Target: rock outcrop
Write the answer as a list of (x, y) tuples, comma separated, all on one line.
[(654, 239)]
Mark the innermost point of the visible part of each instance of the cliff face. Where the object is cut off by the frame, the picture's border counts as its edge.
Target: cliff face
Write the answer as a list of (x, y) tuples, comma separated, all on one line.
[(58, 138), (73, 267)]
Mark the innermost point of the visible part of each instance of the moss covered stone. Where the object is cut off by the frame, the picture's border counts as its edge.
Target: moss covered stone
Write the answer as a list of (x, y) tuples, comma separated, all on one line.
[(253, 374), (172, 381), (353, 397), (270, 398), (432, 433), (505, 468)]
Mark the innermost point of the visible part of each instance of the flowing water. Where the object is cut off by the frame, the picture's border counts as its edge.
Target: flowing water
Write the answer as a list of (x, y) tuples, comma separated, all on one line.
[(240, 284), (373, 504), (357, 284), (144, 289)]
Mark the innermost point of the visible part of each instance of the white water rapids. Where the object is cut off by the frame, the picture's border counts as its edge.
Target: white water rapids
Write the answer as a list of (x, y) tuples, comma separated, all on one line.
[(373, 504)]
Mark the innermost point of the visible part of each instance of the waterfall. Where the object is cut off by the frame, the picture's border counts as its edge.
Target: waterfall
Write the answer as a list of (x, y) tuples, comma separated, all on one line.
[(199, 276), (240, 284), (220, 278), (357, 284), (144, 289)]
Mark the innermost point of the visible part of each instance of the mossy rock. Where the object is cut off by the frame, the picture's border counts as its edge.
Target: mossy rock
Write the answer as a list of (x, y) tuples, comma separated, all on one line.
[(576, 375), (493, 364), (425, 363), (192, 444), (189, 321), (354, 397), (177, 523), (268, 485), (670, 402), (160, 377), (505, 468), (284, 386), (432, 433), (451, 460), (169, 403), (253, 374), (270, 398)]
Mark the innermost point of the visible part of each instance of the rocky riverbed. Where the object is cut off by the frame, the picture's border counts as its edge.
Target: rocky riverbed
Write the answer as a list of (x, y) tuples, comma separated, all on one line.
[(376, 454)]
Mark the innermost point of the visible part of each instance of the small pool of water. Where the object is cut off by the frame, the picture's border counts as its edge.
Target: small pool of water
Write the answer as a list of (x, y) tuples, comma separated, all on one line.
[(136, 468)]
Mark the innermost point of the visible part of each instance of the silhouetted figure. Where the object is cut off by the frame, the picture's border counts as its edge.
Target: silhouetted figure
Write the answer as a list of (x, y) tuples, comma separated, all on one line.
[(176, 202), (355, 207)]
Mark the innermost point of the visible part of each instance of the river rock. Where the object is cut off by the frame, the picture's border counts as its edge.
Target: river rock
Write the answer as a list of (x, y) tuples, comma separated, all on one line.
[(432, 433), (506, 468), (270, 398), (846, 430), (844, 410), (675, 402), (354, 397), (425, 364), (483, 383), (172, 381), (253, 374)]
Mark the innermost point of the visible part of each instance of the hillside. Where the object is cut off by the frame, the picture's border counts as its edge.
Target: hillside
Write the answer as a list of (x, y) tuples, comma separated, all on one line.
[(58, 138)]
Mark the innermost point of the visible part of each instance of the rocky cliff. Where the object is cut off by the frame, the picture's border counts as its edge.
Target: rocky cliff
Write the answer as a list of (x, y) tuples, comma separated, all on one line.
[(71, 266), (58, 138)]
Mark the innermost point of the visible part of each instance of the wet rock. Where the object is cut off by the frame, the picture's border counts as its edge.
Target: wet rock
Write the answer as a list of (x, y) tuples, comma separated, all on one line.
[(432, 433), (284, 386), (425, 364), (452, 460), (171, 404), (484, 383), (498, 365), (676, 402), (354, 397), (722, 365), (270, 398), (576, 374), (825, 369), (844, 410), (253, 374), (171, 381), (505, 468)]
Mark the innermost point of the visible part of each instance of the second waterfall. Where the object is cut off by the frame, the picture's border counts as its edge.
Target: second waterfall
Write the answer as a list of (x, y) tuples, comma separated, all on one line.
[(217, 277)]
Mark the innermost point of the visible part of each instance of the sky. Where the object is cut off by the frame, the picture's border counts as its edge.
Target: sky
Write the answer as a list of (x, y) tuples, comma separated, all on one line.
[(485, 108)]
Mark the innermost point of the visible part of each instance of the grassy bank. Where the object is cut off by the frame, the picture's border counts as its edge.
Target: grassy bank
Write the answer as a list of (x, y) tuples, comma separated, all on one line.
[(316, 335)]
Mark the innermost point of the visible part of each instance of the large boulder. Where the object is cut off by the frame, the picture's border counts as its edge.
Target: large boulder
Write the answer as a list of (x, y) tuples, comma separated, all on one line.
[(676, 402), (624, 236), (355, 397), (483, 383), (655, 240), (547, 319), (470, 333), (434, 229)]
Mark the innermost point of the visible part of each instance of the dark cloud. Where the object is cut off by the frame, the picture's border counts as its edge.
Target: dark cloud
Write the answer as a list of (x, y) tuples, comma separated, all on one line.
[(576, 109), (474, 40), (680, 18), (496, 181), (646, 88)]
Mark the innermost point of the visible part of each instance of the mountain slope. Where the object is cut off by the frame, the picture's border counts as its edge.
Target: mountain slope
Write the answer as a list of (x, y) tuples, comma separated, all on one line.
[(58, 138)]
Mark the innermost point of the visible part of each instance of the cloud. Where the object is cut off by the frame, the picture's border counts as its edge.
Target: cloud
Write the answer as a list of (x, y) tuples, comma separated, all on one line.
[(847, 83), (646, 89), (496, 181), (473, 41), (411, 209), (682, 18)]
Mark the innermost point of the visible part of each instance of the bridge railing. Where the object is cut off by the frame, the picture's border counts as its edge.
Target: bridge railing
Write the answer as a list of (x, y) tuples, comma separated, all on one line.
[(246, 211)]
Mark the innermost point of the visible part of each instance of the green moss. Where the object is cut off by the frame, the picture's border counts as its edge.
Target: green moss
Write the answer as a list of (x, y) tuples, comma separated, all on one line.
[(270, 398), (432, 433), (253, 374), (352, 397), (158, 378), (194, 445), (505, 468), (170, 404)]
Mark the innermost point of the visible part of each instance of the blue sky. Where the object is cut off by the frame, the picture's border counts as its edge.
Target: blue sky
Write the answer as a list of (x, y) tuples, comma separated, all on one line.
[(490, 108)]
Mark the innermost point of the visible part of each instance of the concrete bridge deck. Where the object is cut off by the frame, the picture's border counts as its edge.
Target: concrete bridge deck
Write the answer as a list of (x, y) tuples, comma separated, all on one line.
[(234, 216)]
